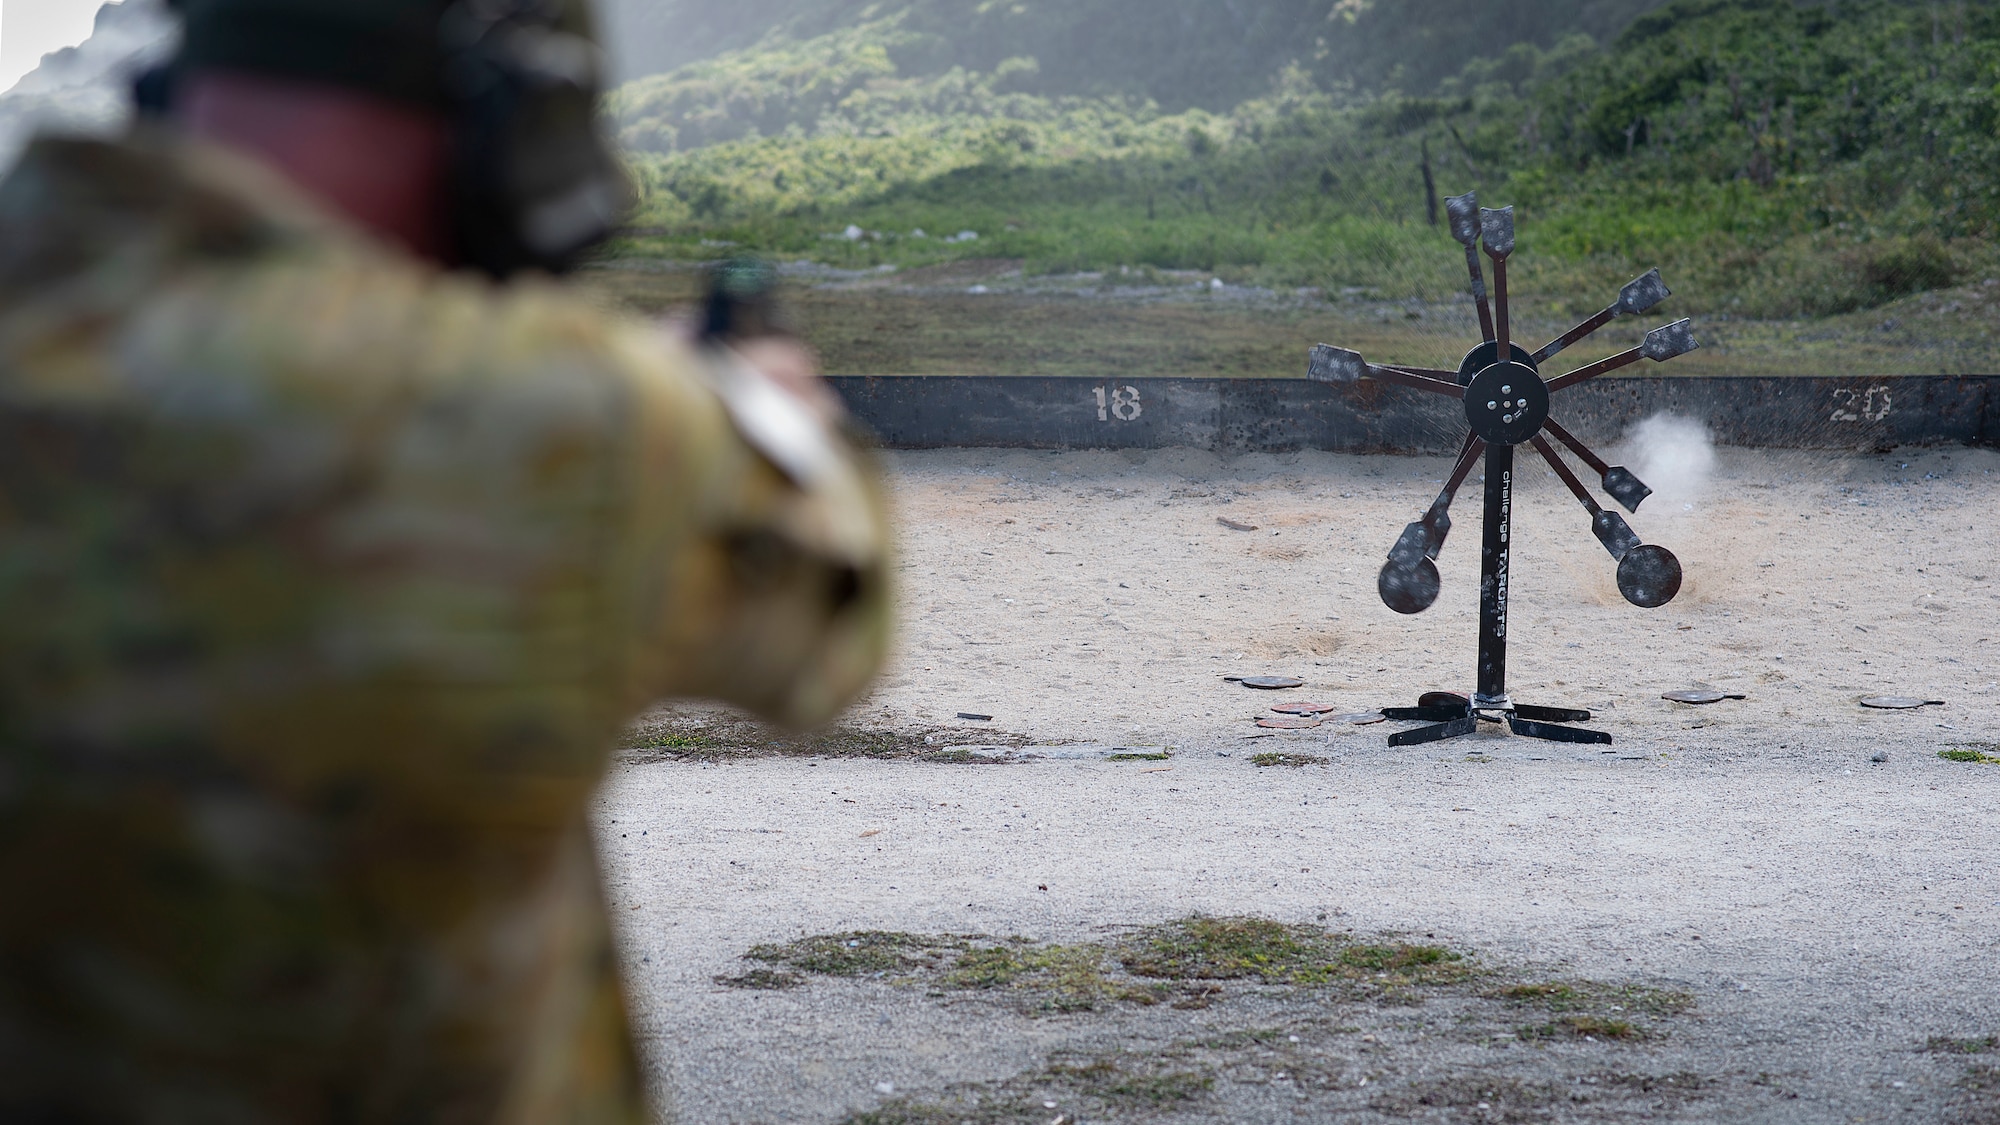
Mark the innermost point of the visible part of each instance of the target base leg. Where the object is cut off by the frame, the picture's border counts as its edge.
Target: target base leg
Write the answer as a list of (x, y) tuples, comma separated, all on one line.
[(1454, 716), (1552, 714), (1457, 728), (1550, 732)]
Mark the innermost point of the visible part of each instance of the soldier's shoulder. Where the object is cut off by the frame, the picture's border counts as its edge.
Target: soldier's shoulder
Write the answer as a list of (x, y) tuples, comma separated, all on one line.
[(209, 263)]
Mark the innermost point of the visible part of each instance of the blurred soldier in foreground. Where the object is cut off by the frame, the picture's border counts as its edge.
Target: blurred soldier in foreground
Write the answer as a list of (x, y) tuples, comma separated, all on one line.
[(327, 577)]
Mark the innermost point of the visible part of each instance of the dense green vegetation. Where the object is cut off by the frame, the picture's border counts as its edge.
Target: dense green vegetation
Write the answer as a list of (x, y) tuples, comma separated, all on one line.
[(1779, 159), (1176, 53)]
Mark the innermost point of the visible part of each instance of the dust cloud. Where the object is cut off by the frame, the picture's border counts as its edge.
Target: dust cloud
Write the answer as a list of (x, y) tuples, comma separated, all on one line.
[(1674, 455)]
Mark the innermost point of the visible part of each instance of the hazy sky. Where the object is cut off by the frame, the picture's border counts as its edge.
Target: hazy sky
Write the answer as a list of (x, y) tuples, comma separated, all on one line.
[(30, 29)]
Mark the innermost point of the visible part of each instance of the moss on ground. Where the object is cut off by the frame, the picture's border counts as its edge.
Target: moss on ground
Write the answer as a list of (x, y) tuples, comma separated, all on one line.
[(861, 953), (674, 740), (1202, 948), (1984, 754), (1592, 996), (963, 757), (1060, 978), (1581, 1027), (1495, 1098), (1591, 1010), (1981, 1079), (762, 980), (1299, 973), (1294, 761), (1503, 1099), (722, 737), (1131, 1079), (1179, 962), (1071, 1087)]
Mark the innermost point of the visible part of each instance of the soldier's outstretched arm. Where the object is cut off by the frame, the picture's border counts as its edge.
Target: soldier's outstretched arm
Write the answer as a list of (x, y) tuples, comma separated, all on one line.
[(760, 537)]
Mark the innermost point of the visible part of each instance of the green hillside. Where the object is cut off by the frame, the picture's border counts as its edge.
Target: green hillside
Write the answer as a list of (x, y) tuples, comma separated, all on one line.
[(1780, 160), (1179, 54)]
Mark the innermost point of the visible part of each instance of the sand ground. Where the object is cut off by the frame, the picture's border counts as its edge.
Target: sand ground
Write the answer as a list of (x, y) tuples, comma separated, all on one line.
[(1833, 916)]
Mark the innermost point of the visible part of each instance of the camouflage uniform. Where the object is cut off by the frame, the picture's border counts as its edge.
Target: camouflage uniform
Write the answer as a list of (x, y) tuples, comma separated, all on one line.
[(326, 581)]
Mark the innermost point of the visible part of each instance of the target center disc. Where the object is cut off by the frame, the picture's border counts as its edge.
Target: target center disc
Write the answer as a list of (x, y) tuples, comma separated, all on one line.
[(1506, 403)]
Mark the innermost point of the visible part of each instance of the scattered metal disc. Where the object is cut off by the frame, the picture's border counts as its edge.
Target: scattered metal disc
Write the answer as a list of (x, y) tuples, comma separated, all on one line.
[(1272, 683), (1899, 702), (1305, 708), (1290, 723), (1700, 698), (1443, 699), (1359, 718)]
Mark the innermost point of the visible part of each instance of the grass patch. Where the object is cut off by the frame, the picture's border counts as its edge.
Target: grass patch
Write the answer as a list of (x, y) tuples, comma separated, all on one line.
[(859, 954), (1295, 761), (1160, 1089), (1180, 962), (1943, 1045), (914, 324), (1592, 1010), (762, 980), (1140, 757), (964, 757), (1227, 1074), (718, 735), (1060, 978), (1979, 753), (1203, 948), (1981, 1079), (674, 740), (1592, 996), (1498, 1098), (1130, 1079), (1582, 1027), (1307, 970), (1087, 1087), (910, 1111), (1503, 1099)]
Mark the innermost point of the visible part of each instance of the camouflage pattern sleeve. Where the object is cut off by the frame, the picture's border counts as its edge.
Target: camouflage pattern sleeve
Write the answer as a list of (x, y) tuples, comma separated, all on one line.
[(326, 583)]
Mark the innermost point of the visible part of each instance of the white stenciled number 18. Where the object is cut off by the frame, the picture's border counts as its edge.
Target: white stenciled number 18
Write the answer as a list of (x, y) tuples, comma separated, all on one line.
[(1121, 403)]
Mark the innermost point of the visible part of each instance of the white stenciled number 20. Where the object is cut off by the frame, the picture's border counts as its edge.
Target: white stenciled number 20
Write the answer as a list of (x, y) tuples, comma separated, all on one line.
[(1874, 404), (1121, 403)]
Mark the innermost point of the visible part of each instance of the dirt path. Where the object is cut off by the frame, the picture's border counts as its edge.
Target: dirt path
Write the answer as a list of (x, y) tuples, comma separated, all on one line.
[(1831, 918)]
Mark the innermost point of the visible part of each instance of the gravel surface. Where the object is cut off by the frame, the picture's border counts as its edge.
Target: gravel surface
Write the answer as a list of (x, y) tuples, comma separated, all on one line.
[(1833, 916)]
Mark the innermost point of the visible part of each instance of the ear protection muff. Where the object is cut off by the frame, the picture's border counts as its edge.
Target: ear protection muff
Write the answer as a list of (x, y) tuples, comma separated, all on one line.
[(535, 180)]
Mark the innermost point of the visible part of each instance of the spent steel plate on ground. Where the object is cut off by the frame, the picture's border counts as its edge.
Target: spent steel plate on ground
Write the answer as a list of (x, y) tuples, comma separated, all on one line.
[(1271, 683), (1506, 401), (1700, 698), (1898, 702), (1305, 708)]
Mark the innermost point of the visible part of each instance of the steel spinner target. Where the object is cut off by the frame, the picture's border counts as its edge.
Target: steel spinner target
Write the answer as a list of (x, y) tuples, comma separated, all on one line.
[(1508, 403)]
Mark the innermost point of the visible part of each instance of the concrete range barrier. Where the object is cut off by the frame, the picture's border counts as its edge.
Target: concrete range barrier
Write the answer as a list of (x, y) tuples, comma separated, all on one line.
[(1282, 415)]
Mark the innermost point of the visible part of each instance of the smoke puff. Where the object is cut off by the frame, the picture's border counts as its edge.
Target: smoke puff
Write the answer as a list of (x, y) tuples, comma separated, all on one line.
[(1674, 456)]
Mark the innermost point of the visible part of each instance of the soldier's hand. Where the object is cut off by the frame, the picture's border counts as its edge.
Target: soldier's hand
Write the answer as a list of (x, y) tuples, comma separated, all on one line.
[(786, 361), (792, 366)]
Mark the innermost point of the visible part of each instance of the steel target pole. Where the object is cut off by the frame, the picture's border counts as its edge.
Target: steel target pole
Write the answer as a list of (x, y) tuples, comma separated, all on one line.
[(1494, 574)]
